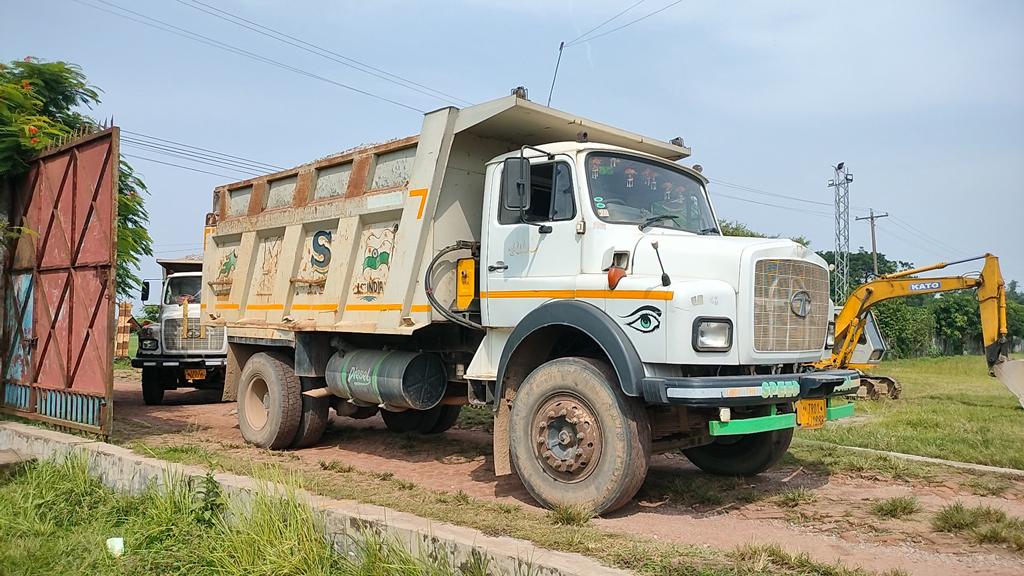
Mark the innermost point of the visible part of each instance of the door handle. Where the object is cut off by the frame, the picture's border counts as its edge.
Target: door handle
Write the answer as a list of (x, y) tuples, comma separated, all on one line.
[(499, 265)]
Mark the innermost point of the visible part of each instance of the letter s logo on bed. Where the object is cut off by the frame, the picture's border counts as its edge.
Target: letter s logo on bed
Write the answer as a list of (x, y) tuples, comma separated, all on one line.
[(925, 286)]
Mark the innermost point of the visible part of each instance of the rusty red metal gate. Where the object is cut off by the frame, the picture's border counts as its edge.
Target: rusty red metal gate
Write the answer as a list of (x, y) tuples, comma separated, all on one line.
[(58, 329)]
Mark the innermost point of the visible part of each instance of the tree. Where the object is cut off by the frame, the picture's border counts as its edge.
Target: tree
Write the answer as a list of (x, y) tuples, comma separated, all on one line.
[(862, 265), (957, 322), (908, 330), (737, 228), (1013, 292), (38, 105)]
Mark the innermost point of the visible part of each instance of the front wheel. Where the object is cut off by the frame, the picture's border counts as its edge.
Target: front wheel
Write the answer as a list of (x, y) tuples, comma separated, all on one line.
[(576, 439), (153, 383), (744, 455), (269, 401)]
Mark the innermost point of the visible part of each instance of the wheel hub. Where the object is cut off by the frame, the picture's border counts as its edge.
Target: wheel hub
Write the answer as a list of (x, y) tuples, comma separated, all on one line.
[(567, 438)]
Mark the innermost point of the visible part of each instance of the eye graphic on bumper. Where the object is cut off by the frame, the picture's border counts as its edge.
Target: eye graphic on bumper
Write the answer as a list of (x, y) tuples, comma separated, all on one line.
[(644, 319)]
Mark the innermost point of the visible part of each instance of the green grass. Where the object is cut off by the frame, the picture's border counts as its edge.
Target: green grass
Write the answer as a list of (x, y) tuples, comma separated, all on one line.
[(983, 524), (795, 498), (133, 347), (988, 486), (646, 557), (951, 409), (895, 507), (476, 418), (55, 519), (570, 515)]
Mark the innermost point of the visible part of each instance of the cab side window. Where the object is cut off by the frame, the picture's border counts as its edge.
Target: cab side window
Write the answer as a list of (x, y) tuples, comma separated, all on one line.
[(551, 196)]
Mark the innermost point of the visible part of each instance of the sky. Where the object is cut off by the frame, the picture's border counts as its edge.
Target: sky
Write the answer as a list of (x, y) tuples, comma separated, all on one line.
[(923, 100)]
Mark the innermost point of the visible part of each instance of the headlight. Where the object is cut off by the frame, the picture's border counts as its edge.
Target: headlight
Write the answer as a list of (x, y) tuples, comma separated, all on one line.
[(712, 334), (830, 336), (148, 344)]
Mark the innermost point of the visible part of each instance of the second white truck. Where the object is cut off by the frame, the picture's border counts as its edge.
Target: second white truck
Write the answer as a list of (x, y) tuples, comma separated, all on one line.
[(569, 275)]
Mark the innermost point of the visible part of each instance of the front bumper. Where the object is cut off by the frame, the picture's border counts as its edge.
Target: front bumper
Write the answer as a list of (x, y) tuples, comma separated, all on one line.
[(755, 390), (162, 361)]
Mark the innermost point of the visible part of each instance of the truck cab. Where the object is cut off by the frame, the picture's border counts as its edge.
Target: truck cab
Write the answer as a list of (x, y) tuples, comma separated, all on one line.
[(177, 351)]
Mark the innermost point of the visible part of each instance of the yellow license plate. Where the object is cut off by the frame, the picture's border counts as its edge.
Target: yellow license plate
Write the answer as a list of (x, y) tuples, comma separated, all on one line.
[(195, 374), (810, 413)]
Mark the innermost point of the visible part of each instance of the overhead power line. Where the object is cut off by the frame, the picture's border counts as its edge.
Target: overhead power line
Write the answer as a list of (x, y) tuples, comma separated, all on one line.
[(135, 157), (627, 9), (914, 231), (196, 37), (759, 203), (262, 165), (923, 247), (182, 155), (626, 25), (320, 51), (767, 193)]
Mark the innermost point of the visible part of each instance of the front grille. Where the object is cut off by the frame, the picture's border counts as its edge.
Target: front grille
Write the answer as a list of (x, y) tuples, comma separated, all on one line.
[(777, 328), (210, 338)]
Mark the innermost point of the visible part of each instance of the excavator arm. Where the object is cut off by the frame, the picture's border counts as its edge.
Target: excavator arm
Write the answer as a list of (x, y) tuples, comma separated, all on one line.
[(991, 293)]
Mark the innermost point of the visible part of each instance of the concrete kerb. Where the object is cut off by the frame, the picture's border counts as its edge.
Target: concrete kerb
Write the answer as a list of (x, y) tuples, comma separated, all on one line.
[(124, 471)]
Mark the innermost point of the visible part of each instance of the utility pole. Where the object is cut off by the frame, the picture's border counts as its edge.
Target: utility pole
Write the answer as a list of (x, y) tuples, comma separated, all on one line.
[(874, 247), (555, 77), (841, 185)]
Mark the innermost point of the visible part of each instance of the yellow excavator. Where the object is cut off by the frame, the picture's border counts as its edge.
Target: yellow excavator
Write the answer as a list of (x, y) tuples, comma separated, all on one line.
[(858, 344)]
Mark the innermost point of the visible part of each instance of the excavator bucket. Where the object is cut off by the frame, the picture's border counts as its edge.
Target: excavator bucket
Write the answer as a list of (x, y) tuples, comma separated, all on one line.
[(1011, 374)]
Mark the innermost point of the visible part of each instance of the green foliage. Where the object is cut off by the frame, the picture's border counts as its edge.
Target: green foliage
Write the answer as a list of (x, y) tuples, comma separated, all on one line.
[(862, 265), (737, 228), (151, 312), (38, 105), (133, 239), (37, 101), (908, 330), (957, 321), (1015, 319), (1014, 293), (895, 507), (55, 518)]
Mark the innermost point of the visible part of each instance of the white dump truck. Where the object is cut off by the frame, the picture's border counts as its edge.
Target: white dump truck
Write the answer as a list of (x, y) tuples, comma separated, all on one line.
[(567, 274), (177, 351)]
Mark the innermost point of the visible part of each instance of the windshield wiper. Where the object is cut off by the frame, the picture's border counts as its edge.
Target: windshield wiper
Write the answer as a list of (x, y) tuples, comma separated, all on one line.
[(708, 231), (658, 218)]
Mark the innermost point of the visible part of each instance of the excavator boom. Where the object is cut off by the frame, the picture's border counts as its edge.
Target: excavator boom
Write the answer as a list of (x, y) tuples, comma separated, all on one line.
[(991, 292)]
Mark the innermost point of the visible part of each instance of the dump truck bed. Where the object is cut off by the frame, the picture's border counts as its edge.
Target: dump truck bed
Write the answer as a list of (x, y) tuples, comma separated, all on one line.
[(341, 244)]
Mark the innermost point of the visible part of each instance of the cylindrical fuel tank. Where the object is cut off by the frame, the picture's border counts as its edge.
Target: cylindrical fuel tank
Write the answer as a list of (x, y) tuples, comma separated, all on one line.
[(402, 379)]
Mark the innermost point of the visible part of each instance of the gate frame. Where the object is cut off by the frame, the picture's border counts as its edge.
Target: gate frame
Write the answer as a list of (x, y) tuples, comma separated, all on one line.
[(20, 205)]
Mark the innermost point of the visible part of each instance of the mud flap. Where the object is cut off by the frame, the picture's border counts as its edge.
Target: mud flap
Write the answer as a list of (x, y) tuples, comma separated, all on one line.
[(1011, 374), (502, 456)]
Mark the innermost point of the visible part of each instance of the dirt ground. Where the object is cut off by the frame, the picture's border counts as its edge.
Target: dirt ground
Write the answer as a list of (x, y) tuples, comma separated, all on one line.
[(833, 522)]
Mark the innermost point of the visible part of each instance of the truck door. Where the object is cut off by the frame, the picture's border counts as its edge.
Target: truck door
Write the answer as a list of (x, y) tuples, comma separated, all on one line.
[(528, 263)]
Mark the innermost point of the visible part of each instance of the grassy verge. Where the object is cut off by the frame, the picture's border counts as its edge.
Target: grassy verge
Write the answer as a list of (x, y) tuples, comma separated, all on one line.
[(566, 530), (55, 519), (951, 408), (983, 524)]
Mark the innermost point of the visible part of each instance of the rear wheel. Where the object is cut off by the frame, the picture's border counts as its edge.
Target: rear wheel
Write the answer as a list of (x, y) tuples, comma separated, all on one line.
[(269, 401), (314, 414), (416, 421), (153, 386), (744, 455), (447, 418), (576, 438)]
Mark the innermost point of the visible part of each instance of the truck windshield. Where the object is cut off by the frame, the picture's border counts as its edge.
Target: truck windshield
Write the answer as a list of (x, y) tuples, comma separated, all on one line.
[(183, 287), (629, 190)]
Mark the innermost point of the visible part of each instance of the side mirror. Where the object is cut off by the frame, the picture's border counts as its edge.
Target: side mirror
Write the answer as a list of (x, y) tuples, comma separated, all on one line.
[(515, 183), (145, 290)]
